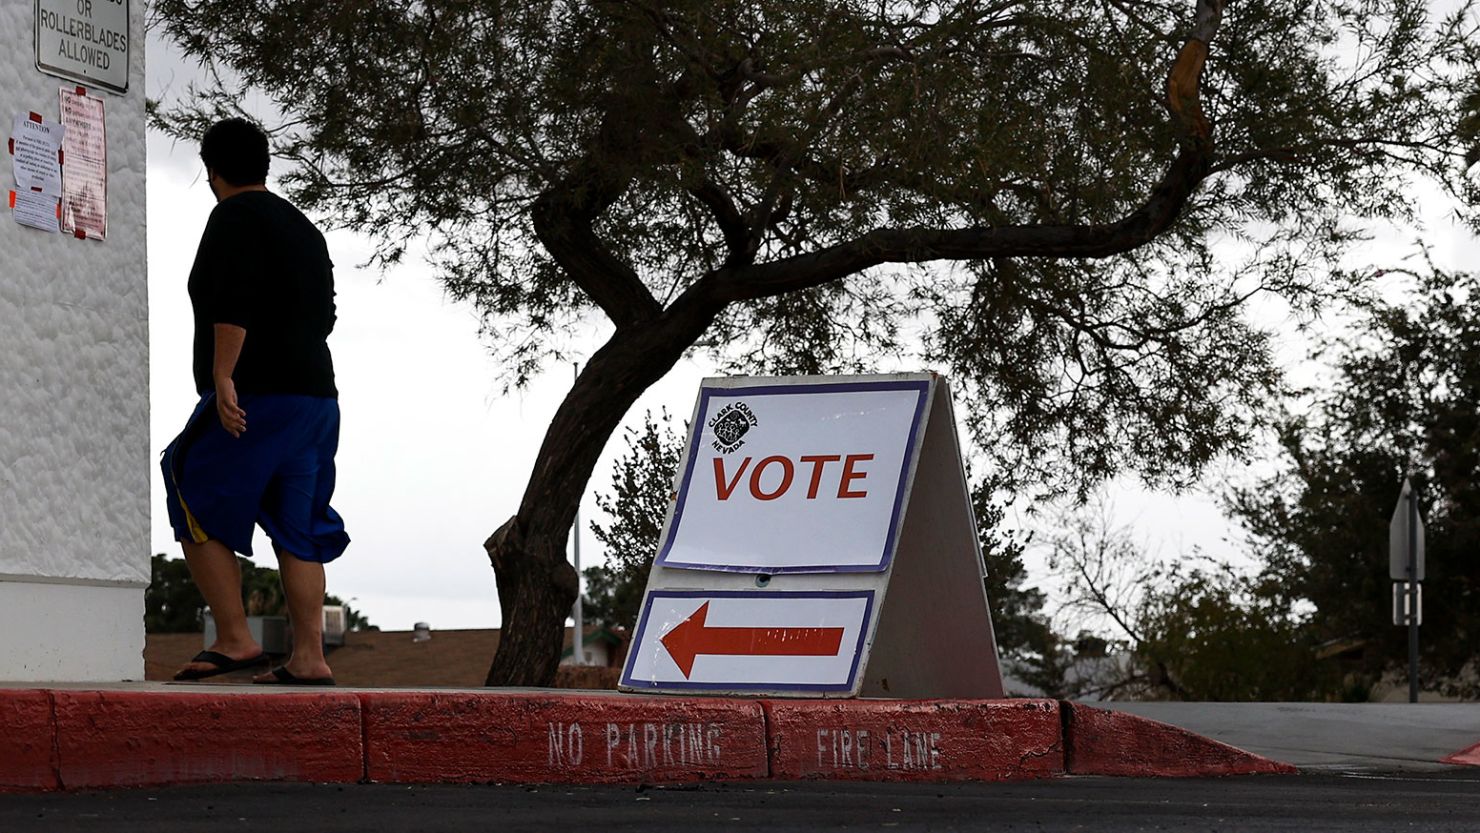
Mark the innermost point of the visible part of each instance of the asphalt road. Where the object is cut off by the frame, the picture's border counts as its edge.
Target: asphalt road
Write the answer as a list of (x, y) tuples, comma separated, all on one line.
[(1431, 802)]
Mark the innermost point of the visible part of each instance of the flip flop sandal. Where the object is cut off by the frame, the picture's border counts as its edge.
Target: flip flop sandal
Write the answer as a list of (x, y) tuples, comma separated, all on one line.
[(282, 676), (223, 663)]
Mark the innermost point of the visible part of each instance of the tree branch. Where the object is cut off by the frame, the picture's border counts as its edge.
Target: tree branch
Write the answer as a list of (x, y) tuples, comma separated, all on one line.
[(728, 217), (563, 220), (917, 245), (1291, 153)]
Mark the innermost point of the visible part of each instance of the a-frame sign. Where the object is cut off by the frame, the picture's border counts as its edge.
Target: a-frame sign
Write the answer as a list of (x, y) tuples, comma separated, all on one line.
[(820, 543)]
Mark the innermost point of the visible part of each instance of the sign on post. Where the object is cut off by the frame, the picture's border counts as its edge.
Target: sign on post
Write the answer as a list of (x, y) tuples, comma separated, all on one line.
[(820, 543), (1407, 604), (1405, 565), (1405, 518), (86, 41)]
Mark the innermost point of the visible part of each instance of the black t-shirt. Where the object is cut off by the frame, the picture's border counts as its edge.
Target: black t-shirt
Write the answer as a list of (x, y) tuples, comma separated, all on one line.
[(263, 266)]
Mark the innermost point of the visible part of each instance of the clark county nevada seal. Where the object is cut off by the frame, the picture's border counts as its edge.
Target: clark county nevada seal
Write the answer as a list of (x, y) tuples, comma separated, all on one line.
[(731, 425)]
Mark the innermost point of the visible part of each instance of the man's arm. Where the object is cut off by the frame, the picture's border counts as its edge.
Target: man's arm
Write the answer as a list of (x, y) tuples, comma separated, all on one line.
[(229, 339)]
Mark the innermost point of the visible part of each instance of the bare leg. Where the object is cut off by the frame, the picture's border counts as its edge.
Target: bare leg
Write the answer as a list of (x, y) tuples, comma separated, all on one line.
[(303, 584), (216, 572)]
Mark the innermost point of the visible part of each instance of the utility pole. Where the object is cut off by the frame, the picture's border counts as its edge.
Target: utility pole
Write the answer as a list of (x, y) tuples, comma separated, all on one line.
[(1413, 579), (577, 646)]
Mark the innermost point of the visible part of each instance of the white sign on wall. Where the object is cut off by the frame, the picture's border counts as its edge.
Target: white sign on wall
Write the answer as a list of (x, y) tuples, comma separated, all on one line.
[(820, 543), (86, 41)]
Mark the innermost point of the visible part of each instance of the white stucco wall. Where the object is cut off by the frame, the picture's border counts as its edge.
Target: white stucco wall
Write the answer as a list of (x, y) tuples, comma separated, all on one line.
[(74, 401)]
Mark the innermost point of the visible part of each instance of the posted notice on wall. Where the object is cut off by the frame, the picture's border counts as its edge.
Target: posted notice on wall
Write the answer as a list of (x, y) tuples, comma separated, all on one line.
[(85, 166), (38, 211), (35, 148), (36, 163)]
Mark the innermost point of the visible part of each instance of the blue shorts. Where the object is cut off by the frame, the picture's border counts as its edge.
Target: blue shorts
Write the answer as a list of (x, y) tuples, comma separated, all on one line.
[(279, 473)]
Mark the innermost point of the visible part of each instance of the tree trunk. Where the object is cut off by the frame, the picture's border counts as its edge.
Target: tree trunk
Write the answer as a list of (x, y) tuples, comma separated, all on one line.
[(536, 585), (536, 589)]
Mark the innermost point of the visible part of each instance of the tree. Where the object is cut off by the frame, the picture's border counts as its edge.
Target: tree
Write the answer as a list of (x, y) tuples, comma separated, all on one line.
[(1190, 629), (770, 181), (1026, 640), (1401, 400), (642, 489), (173, 604)]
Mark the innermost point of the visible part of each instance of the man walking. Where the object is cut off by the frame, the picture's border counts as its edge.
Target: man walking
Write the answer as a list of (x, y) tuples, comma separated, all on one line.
[(259, 448)]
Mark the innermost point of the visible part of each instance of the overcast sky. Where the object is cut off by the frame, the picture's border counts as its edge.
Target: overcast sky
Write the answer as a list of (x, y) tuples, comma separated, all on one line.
[(432, 457)]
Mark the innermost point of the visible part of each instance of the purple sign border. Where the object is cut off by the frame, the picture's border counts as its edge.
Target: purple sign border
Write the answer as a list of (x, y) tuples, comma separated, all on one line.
[(642, 622), (921, 386)]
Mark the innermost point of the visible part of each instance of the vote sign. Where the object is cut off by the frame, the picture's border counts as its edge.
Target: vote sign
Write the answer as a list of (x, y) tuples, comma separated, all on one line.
[(820, 543), (789, 466)]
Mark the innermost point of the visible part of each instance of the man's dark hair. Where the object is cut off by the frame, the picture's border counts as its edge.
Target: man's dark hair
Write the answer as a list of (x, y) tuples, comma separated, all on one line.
[(236, 150)]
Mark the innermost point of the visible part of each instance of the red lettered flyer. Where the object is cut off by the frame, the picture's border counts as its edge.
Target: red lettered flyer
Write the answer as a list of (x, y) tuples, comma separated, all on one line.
[(84, 166)]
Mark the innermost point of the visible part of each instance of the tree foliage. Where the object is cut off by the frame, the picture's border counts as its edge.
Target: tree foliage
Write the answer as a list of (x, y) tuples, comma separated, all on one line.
[(1188, 629), (642, 489), (674, 143), (1401, 400), (1026, 641), (1209, 632), (173, 604), (769, 182)]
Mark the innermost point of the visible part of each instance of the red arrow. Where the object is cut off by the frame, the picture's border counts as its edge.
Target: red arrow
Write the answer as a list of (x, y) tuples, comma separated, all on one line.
[(692, 637)]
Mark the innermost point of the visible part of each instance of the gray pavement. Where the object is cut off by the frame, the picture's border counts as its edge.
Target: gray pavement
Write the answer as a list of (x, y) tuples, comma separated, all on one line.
[(1433, 803), (1361, 737)]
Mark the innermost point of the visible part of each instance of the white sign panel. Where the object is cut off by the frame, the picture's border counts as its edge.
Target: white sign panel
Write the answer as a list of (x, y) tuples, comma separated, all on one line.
[(35, 210), (813, 474), (85, 41), (750, 640), (36, 154), (1398, 537)]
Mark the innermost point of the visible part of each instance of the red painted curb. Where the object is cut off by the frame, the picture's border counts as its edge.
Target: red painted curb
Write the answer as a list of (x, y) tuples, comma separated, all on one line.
[(419, 737), (66, 739), (130, 738), (1100, 742), (1464, 757), (27, 755), (921, 740)]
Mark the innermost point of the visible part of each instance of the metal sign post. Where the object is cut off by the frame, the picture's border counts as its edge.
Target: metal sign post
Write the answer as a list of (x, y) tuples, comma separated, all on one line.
[(577, 639), (1413, 579), (1406, 565)]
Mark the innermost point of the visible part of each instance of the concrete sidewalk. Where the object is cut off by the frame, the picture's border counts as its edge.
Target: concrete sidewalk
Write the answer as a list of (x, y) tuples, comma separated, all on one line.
[(1330, 736)]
